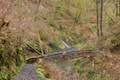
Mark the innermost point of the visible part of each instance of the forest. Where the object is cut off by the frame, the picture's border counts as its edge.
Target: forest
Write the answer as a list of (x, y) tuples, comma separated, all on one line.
[(59, 39)]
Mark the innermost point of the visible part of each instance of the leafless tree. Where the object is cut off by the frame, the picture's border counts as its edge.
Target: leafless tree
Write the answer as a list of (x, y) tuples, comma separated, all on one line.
[(118, 8), (99, 5)]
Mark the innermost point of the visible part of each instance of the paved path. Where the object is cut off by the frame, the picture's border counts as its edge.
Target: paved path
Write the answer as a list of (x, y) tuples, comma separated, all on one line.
[(27, 73)]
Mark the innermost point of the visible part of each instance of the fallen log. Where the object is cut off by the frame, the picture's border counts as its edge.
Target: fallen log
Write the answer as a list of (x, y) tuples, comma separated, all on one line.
[(63, 55)]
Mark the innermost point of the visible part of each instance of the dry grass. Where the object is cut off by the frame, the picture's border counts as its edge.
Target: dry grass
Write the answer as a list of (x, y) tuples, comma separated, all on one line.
[(45, 24), (11, 54), (100, 67)]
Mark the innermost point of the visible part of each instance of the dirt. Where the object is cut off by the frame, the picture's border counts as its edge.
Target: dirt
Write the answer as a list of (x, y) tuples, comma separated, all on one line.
[(112, 65), (59, 71)]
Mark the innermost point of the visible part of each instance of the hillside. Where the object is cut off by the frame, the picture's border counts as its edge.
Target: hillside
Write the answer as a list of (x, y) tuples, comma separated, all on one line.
[(30, 28)]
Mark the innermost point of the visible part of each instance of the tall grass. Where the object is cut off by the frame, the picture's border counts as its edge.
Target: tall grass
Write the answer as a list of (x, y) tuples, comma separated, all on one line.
[(88, 70), (11, 53)]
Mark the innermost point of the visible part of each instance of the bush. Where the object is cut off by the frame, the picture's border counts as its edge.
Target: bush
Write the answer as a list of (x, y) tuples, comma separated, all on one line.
[(11, 54)]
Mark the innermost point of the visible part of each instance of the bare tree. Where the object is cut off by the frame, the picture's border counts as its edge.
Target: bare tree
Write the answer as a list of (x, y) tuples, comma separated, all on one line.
[(97, 10), (99, 4), (101, 18), (118, 8)]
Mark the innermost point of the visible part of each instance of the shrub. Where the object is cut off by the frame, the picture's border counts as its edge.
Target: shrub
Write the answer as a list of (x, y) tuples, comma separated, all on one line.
[(11, 54)]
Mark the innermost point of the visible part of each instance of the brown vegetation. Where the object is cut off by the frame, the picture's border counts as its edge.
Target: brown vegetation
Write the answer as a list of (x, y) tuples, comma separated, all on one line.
[(44, 23)]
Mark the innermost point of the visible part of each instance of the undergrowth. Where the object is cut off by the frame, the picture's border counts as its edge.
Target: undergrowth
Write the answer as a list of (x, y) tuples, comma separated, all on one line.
[(90, 70), (11, 53)]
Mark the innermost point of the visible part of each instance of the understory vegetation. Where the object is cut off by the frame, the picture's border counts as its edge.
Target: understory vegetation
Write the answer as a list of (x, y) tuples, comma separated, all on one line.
[(42, 26), (11, 53)]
